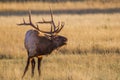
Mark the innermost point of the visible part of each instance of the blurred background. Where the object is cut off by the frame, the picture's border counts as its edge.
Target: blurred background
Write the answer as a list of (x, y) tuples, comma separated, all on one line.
[(19, 7), (91, 26)]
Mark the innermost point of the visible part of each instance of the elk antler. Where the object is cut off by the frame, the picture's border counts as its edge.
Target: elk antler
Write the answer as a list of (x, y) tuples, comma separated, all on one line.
[(54, 28), (35, 26)]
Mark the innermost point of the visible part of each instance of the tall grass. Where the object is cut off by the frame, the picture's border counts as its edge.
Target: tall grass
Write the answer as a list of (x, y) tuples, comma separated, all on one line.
[(66, 67), (87, 33), (92, 52)]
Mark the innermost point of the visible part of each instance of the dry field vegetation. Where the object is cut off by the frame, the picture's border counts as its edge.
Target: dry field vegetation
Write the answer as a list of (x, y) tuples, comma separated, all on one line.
[(58, 6), (92, 52)]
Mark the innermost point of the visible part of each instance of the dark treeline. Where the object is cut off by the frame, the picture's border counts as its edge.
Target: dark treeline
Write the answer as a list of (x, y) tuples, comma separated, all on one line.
[(39, 0)]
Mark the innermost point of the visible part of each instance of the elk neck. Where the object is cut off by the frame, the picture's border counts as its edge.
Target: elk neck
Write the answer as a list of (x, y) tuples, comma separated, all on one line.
[(51, 47)]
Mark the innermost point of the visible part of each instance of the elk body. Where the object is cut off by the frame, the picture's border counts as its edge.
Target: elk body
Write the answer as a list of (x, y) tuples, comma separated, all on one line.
[(38, 45)]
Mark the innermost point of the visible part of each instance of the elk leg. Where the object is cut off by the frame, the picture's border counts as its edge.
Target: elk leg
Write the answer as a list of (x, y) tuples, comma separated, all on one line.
[(33, 66), (26, 68), (39, 64)]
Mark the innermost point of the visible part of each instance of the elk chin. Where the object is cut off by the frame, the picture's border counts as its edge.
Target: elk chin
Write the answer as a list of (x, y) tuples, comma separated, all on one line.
[(62, 44)]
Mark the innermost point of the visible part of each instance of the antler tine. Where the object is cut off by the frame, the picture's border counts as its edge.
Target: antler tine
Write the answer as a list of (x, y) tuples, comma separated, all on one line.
[(57, 28), (47, 32), (58, 24), (53, 30), (44, 22), (30, 22), (62, 25), (51, 14), (24, 23), (52, 21), (23, 20), (30, 16)]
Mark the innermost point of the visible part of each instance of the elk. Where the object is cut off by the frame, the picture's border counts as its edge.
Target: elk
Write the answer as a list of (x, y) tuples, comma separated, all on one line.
[(38, 45)]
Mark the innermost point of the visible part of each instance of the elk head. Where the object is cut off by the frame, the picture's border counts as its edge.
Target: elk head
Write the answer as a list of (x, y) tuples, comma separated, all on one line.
[(37, 45)]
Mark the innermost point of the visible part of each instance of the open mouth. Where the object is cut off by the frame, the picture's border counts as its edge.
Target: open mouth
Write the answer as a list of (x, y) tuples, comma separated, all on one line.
[(65, 41)]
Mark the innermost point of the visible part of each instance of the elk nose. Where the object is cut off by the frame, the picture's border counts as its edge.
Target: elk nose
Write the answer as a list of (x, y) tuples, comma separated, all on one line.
[(65, 39)]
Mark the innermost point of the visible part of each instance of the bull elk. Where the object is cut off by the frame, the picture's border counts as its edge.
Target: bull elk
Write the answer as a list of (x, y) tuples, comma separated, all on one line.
[(38, 45)]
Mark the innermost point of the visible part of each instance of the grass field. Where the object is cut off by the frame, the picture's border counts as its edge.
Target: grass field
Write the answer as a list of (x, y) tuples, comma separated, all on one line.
[(66, 67), (58, 6), (92, 52)]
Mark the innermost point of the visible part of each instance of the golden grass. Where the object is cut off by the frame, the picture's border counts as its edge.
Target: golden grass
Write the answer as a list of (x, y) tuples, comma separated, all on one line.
[(86, 33), (66, 67), (88, 36)]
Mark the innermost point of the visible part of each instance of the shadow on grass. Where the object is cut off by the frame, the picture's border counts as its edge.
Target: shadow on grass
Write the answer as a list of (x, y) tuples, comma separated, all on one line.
[(3, 56), (69, 11), (97, 49)]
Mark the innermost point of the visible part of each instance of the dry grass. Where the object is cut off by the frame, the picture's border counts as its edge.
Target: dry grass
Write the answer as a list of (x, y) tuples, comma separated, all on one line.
[(88, 35), (98, 33), (66, 67), (57, 6), (93, 33)]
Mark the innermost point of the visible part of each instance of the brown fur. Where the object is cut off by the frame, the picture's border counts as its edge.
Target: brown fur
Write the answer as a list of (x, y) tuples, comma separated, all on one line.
[(40, 45)]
